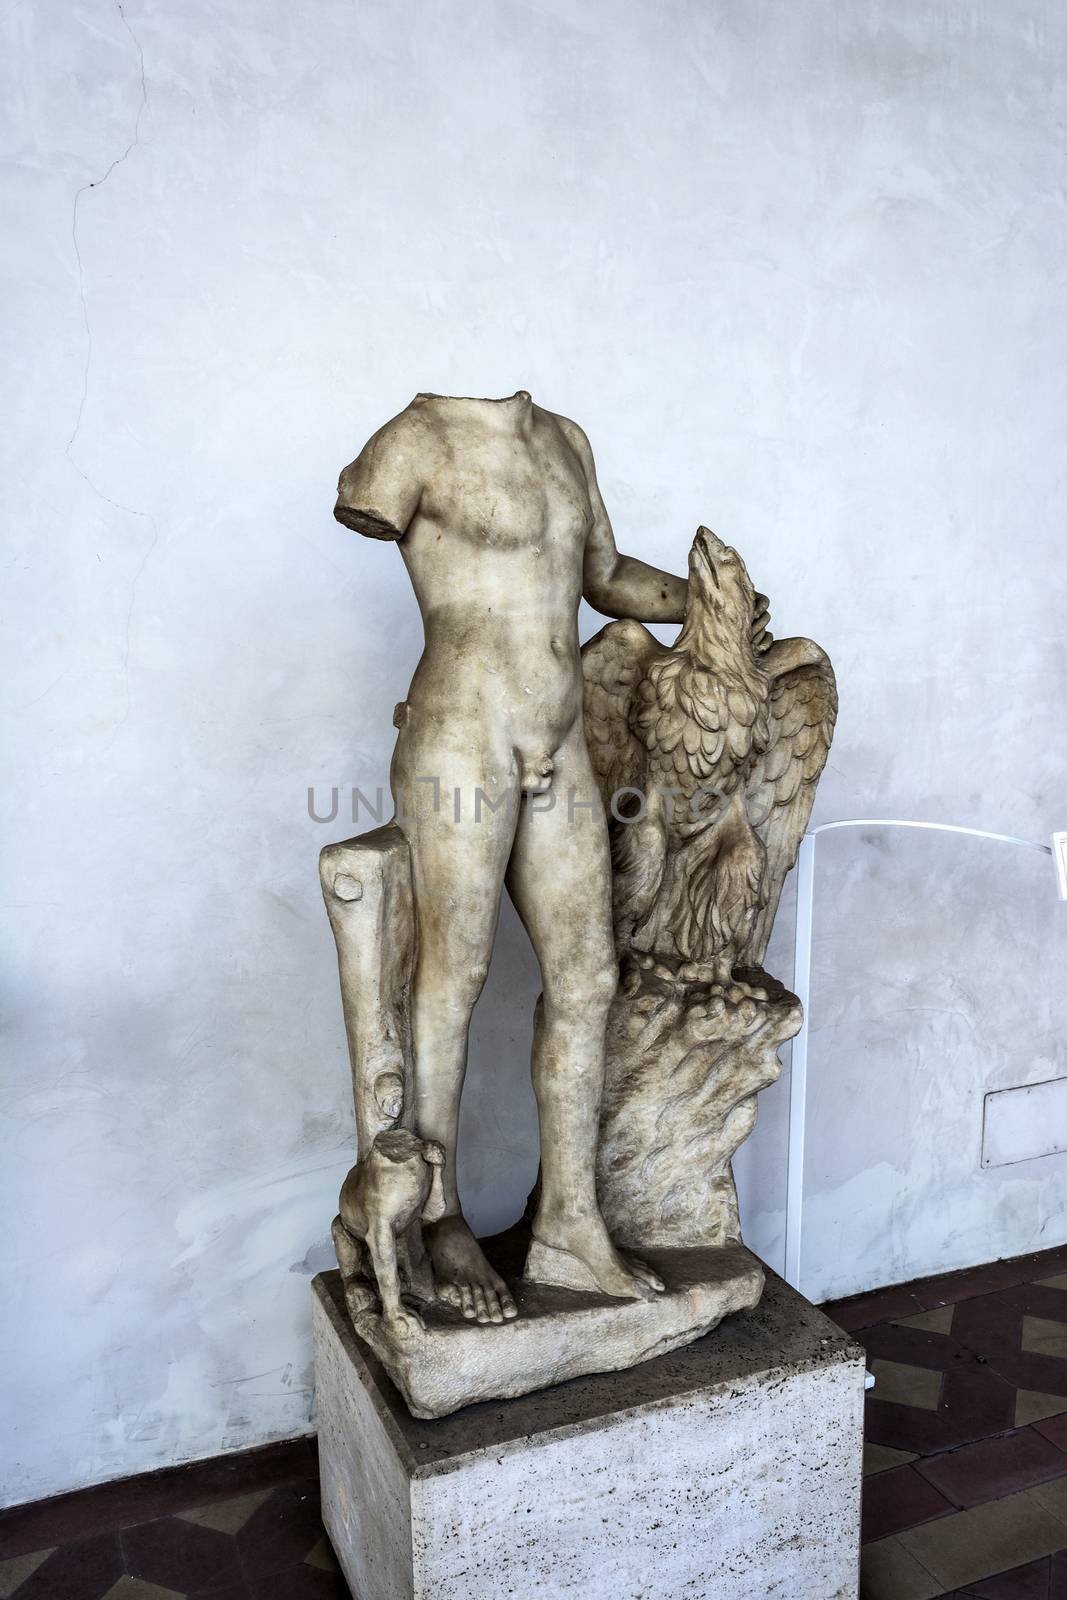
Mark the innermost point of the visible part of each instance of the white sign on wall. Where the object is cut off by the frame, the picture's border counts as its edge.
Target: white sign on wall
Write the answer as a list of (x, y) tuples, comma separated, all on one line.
[(1026, 1122)]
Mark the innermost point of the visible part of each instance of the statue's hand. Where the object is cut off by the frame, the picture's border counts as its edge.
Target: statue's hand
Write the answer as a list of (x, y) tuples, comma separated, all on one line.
[(762, 639)]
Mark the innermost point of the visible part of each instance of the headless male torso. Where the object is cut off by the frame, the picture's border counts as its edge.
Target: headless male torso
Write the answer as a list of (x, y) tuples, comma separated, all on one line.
[(502, 529)]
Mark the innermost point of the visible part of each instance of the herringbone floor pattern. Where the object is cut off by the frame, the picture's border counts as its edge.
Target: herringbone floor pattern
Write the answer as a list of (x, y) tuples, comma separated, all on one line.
[(965, 1487)]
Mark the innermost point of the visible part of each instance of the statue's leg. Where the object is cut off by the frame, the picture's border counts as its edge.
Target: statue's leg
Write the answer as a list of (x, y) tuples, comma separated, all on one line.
[(458, 863), (560, 881), (381, 1242), (351, 1258)]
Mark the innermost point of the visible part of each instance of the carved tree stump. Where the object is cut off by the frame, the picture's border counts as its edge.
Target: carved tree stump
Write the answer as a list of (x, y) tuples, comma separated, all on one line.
[(682, 1073), (366, 883)]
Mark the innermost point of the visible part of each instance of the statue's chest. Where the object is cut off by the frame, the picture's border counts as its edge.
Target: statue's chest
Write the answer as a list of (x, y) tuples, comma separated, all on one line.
[(511, 494)]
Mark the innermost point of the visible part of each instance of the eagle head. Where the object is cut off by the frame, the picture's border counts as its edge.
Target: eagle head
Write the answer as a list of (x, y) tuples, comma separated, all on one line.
[(720, 602)]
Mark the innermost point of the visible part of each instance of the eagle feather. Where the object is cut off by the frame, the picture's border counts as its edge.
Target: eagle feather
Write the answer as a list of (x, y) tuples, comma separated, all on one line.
[(726, 746)]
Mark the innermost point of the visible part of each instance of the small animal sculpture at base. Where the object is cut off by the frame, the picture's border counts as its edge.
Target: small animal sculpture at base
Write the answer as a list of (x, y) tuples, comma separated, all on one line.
[(390, 1191)]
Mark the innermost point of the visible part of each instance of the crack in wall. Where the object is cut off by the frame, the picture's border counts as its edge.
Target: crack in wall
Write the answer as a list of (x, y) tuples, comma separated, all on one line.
[(133, 511)]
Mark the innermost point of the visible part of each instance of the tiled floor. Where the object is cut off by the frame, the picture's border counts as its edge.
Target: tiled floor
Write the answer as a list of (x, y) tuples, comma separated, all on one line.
[(965, 1493), (965, 1487)]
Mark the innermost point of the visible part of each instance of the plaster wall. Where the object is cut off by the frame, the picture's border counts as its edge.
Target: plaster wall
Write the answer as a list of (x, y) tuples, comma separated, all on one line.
[(798, 270)]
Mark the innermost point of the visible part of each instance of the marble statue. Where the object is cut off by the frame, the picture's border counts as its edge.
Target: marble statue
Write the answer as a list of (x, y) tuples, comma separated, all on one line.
[(642, 805)]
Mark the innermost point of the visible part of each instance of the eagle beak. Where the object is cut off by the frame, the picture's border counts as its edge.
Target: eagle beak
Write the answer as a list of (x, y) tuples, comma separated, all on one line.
[(707, 549)]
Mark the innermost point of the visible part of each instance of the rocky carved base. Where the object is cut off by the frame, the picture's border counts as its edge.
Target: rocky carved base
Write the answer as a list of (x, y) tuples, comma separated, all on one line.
[(559, 1333), (684, 1065)]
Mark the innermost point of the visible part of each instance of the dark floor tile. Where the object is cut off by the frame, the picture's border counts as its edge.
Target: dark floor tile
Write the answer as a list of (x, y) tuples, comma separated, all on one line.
[(1057, 1588), (151, 1495), (1043, 1263), (84, 1570), (956, 1286), (991, 1314), (1055, 1429), (1037, 1300), (1025, 1369), (996, 1328), (1030, 1582), (988, 1326), (902, 1427), (284, 1531), (975, 1402), (990, 1468), (180, 1555), (899, 1499), (861, 1311), (299, 1583), (230, 1591), (915, 1346)]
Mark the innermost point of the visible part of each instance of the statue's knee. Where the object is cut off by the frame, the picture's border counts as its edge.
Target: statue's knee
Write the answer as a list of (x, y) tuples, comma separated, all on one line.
[(465, 982), (603, 983), (583, 987)]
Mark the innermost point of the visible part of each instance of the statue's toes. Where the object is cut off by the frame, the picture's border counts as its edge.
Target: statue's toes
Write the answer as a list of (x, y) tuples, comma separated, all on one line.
[(500, 1303), (483, 1303)]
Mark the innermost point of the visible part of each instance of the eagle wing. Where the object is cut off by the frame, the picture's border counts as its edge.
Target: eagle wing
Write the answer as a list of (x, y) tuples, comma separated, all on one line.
[(781, 787), (613, 664)]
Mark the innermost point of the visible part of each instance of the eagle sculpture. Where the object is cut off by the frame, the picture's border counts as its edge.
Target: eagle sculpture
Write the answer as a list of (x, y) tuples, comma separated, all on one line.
[(707, 752)]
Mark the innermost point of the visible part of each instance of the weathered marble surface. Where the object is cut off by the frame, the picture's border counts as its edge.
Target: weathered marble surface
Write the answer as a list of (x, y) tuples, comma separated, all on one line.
[(728, 1468), (502, 528), (707, 753), (643, 804), (366, 884), (560, 1332), (684, 1068)]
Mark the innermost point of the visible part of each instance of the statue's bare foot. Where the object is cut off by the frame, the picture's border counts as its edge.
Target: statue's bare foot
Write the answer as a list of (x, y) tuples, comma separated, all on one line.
[(589, 1240), (464, 1277)]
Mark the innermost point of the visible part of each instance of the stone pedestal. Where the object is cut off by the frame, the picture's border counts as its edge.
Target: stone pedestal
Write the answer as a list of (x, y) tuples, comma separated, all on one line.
[(729, 1469)]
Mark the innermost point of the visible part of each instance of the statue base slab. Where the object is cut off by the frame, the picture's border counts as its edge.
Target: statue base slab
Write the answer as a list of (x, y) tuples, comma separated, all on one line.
[(729, 1467), (563, 1330)]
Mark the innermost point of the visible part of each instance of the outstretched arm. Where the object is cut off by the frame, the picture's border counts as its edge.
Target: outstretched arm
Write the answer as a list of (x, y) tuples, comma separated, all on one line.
[(620, 586)]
